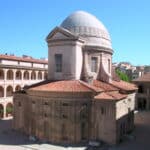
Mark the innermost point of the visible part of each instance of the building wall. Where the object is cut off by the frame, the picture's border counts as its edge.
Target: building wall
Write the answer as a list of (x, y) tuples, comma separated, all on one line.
[(71, 66), (58, 119), (143, 96), (125, 116), (103, 123), (11, 82)]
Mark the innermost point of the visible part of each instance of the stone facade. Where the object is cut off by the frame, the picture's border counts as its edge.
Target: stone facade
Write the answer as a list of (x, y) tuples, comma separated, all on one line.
[(81, 100)]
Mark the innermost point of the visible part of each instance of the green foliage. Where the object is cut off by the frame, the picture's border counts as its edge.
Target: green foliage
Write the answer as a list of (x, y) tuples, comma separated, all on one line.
[(122, 76), (9, 110)]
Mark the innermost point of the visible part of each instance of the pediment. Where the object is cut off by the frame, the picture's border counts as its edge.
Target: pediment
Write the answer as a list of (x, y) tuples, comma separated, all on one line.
[(60, 33)]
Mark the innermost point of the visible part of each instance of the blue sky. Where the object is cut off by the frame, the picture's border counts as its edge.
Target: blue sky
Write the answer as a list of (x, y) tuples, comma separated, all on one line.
[(24, 25)]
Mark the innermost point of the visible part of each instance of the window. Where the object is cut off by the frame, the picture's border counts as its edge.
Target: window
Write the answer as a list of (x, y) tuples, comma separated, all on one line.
[(19, 104), (64, 116), (140, 90), (46, 103), (94, 64), (58, 62), (65, 104), (109, 65)]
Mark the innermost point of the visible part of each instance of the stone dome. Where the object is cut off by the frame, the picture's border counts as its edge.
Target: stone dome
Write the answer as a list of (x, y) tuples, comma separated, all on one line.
[(89, 27)]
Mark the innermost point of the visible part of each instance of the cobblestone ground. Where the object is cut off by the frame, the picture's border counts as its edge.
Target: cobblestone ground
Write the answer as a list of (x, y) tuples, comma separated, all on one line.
[(12, 140)]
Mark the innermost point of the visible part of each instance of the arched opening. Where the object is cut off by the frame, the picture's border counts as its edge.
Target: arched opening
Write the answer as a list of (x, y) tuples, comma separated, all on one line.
[(39, 75), (33, 75), (9, 91), (9, 109), (142, 103), (18, 75), (1, 111), (26, 75), (1, 91), (1, 74), (18, 88), (45, 75), (9, 75), (140, 89)]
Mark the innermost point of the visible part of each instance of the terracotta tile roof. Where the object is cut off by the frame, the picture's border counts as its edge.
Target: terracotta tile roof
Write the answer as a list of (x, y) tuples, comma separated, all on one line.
[(105, 86), (117, 95), (124, 85), (114, 95), (144, 78), (8, 57), (65, 86), (103, 96)]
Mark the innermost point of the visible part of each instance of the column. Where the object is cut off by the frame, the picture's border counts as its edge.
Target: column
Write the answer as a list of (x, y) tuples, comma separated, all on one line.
[(5, 75)]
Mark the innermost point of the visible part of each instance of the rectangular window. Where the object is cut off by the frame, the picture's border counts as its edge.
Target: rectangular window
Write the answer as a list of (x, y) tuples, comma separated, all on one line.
[(109, 65), (94, 64), (58, 62)]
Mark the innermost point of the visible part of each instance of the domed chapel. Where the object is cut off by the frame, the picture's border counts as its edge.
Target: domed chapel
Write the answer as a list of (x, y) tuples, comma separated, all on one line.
[(82, 99)]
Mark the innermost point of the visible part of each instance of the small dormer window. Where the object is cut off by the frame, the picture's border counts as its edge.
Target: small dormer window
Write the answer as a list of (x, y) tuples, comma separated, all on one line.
[(94, 64), (58, 62)]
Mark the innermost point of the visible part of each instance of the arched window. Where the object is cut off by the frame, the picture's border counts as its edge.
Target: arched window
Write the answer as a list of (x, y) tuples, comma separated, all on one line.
[(33, 75), (1, 111), (39, 75), (9, 109), (45, 75), (26, 75), (1, 74), (18, 75), (9, 75), (18, 88), (9, 91), (1, 91)]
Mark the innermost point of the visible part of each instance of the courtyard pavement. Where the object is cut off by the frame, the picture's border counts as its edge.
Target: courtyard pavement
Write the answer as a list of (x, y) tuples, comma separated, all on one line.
[(12, 140)]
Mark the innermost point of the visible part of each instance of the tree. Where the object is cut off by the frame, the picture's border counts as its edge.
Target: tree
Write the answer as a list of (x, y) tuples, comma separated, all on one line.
[(122, 76)]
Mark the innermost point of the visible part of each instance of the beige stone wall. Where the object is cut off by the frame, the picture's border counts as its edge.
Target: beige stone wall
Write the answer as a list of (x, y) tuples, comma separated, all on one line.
[(52, 118), (125, 115), (103, 123), (71, 60)]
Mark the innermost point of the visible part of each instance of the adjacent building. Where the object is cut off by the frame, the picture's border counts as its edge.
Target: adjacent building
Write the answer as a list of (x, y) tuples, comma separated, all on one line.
[(82, 99), (143, 94), (15, 73)]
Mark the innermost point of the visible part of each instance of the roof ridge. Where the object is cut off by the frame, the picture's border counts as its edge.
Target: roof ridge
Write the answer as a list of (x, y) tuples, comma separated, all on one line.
[(91, 87)]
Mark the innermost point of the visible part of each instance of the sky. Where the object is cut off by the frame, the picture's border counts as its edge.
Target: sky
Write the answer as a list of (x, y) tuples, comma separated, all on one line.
[(24, 25)]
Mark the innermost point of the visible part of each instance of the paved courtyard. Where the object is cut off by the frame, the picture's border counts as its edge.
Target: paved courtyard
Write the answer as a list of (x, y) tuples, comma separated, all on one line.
[(12, 140)]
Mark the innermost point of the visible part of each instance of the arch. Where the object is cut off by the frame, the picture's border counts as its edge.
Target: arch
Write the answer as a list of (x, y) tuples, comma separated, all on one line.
[(1, 74), (9, 109), (9, 91), (26, 75), (39, 75), (18, 88), (1, 91), (9, 75), (18, 75), (33, 75), (1, 111), (45, 75)]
